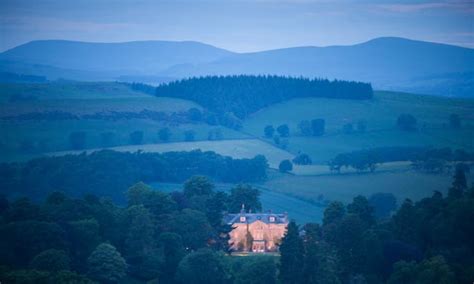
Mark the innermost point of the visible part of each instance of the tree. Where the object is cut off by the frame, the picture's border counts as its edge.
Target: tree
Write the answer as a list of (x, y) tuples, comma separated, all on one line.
[(283, 130), (333, 213), (77, 140), (171, 245), (246, 195), (189, 135), (459, 185), (203, 266), (302, 159), (194, 114), (383, 204), (198, 185), (406, 122), (291, 259), (51, 260), (455, 121), (405, 222), (269, 131), (276, 139), (360, 206), (136, 137), (318, 125), (139, 239), (255, 270), (164, 134), (105, 264), (84, 236), (285, 166), (193, 227), (305, 128)]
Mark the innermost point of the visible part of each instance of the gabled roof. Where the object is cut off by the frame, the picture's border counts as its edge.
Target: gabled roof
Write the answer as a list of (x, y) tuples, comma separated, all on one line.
[(231, 219)]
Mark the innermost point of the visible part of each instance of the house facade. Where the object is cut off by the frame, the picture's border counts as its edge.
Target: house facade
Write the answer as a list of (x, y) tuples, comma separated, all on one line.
[(256, 232)]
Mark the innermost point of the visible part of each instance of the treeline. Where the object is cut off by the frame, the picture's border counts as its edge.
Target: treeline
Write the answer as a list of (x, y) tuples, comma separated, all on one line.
[(429, 241), (7, 77), (156, 237), (244, 94), (110, 173), (176, 117), (422, 158)]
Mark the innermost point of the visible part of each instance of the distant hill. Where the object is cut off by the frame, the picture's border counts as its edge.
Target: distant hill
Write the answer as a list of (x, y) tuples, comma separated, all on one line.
[(388, 63), (128, 58)]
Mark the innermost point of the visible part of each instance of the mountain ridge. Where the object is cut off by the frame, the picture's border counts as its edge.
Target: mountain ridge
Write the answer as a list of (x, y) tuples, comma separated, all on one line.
[(389, 63)]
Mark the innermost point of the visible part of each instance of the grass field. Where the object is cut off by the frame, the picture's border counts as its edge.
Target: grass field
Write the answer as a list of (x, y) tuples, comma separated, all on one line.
[(54, 135), (380, 116)]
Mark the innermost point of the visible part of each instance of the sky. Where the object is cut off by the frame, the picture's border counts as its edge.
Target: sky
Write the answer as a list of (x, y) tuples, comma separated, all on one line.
[(237, 25)]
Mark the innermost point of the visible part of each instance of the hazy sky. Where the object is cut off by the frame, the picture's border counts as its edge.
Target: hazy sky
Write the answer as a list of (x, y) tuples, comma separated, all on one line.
[(238, 25)]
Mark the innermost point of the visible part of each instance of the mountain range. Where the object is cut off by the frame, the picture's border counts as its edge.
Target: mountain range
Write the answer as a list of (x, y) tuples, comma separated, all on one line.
[(388, 63)]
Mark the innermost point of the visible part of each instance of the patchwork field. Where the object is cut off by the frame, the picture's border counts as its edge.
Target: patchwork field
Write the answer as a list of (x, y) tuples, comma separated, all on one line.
[(379, 115)]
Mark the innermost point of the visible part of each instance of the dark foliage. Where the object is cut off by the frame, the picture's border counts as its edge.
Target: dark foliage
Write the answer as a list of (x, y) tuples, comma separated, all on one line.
[(244, 94), (110, 173)]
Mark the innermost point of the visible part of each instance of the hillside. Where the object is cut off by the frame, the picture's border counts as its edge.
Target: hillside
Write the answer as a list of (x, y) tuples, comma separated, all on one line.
[(379, 115)]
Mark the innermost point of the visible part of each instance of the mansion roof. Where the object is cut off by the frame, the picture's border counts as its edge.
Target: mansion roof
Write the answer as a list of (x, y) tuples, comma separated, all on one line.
[(248, 218)]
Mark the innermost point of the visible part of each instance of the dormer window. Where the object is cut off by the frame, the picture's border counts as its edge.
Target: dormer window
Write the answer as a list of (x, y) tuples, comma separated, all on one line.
[(242, 219), (272, 219)]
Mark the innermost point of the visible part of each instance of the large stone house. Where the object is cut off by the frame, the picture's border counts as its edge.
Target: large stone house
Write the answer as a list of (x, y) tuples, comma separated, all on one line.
[(256, 232)]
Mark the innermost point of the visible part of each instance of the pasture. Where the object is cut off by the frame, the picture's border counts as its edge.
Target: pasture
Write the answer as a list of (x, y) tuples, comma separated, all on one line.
[(344, 187), (379, 115)]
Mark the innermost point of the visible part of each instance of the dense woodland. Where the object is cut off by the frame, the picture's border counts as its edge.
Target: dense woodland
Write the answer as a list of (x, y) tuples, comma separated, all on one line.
[(174, 238), (245, 94), (110, 173)]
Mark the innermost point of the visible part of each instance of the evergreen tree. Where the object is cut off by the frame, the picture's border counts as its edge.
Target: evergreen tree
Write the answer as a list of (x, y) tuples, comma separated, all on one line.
[(292, 256), (459, 185)]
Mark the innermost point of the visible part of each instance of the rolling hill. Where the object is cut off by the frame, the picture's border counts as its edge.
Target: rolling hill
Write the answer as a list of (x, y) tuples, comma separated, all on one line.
[(111, 59), (388, 63)]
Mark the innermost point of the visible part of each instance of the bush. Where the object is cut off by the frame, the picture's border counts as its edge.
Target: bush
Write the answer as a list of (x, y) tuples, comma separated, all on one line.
[(283, 130), (406, 122), (269, 131), (51, 260), (318, 125), (285, 166), (302, 159)]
